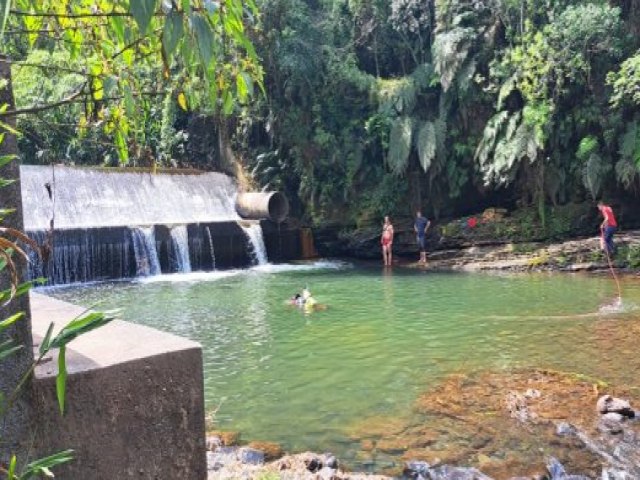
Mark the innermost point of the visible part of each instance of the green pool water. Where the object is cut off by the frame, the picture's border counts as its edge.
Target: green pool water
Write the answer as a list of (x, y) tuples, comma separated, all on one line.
[(274, 373)]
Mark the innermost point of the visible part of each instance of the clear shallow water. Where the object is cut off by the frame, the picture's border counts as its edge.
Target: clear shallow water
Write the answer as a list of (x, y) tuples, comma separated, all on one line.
[(277, 374)]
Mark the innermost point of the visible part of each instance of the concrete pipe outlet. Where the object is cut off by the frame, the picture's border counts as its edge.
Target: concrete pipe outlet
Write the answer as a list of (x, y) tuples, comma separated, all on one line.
[(261, 205)]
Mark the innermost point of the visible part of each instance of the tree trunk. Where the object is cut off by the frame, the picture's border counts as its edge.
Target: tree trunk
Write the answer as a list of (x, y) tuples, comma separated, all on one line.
[(16, 422)]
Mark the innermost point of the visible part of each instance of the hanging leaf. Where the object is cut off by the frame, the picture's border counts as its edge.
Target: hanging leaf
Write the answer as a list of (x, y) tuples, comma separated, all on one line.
[(227, 103), (5, 6), (121, 146), (61, 378), (426, 145), (182, 101), (142, 12), (172, 33), (10, 321), (400, 144), (248, 81), (204, 37), (241, 88), (117, 23)]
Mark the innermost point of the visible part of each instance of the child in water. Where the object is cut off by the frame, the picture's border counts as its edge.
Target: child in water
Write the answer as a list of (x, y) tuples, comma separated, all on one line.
[(305, 300)]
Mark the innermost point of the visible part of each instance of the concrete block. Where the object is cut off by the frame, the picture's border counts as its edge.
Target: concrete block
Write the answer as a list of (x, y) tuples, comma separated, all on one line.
[(134, 403)]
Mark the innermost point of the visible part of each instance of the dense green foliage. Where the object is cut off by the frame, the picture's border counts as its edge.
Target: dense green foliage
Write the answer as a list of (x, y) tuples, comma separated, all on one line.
[(380, 107), (107, 65), (377, 107)]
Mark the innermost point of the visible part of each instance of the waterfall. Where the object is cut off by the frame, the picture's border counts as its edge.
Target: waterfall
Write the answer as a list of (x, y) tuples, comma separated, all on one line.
[(257, 249), (180, 261), (144, 246), (213, 253), (81, 256)]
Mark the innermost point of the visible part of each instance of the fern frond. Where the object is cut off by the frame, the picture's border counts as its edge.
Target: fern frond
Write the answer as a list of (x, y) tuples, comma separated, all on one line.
[(427, 145), (630, 143), (511, 141), (593, 172), (400, 144), (465, 77), (489, 136), (450, 49), (397, 96), (627, 173), (506, 88)]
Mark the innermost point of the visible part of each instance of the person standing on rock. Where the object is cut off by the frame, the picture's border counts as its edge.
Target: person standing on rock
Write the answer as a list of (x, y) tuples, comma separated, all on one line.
[(421, 225), (607, 228), (386, 240)]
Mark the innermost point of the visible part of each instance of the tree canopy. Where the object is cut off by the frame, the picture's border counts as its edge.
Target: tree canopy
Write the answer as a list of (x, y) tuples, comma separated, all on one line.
[(370, 107)]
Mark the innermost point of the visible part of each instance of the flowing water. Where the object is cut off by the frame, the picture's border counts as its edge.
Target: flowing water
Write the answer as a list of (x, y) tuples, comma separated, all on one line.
[(144, 247), (180, 249), (257, 248), (90, 198), (274, 372)]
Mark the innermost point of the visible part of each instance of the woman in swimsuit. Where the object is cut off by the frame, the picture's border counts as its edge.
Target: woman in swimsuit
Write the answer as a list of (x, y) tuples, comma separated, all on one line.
[(386, 240)]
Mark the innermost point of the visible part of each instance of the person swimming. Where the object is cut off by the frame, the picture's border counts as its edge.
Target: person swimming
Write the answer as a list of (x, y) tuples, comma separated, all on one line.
[(306, 301), (296, 300)]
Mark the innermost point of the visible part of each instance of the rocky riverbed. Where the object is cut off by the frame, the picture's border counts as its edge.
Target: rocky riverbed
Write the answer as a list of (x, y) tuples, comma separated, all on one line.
[(528, 424)]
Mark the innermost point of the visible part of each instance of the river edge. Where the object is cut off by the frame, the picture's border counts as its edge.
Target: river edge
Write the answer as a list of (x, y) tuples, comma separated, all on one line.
[(575, 255), (571, 256)]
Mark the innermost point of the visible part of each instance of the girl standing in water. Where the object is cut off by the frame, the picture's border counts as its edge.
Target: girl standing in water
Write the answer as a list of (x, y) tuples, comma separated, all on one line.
[(386, 240)]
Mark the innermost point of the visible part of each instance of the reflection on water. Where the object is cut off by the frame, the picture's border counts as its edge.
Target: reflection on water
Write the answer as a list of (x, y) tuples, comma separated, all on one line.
[(386, 337)]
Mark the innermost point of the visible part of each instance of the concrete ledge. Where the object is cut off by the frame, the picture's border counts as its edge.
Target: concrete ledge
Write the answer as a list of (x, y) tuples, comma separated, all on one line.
[(135, 404)]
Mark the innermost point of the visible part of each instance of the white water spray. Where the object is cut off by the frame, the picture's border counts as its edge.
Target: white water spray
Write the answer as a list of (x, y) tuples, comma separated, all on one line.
[(257, 248), (180, 249), (144, 247)]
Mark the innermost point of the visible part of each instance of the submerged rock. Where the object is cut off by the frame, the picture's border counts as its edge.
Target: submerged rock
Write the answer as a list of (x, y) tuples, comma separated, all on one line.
[(250, 456), (416, 469), (558, 472), (446, 472), (272, 451), (564, 429)]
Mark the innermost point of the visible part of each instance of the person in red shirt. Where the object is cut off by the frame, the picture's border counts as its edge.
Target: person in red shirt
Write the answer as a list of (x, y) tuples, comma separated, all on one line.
[(608, 227)]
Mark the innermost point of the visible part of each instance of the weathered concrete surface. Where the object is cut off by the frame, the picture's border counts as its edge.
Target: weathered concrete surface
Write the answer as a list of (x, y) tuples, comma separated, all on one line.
[(15, 424), (134, 404)]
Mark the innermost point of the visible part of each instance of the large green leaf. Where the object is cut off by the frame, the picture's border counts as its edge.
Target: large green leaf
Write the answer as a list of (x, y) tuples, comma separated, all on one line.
[(142, 11), (46, 341), (61, 378), (80, 325), (172, 33), (204, 37)]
